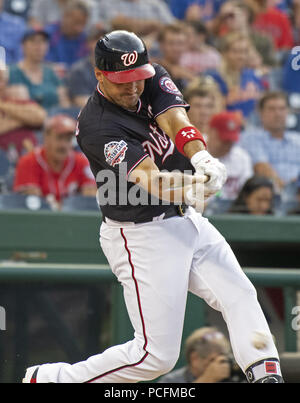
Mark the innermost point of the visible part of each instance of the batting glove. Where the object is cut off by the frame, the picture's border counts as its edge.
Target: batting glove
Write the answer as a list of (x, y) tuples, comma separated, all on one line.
[(205, 164)]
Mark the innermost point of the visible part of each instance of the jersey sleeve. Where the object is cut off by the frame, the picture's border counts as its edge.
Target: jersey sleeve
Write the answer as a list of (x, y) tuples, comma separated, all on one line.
[(163, 93), (110, 151)]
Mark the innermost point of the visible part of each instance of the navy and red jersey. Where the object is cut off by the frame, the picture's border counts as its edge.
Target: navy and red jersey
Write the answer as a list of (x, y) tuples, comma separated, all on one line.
[(116, 141)]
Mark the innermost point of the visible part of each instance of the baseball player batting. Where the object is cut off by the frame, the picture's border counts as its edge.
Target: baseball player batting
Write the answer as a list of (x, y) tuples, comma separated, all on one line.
[(135, 127)]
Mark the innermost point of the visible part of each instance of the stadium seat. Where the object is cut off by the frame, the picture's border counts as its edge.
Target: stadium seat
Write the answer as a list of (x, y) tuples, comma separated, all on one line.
[(286, 207), (4, 164), (19, 201), (4, 170), (293, 121), (218, 206), (80, 203), (290, 191), (17, 7), (275, 78)]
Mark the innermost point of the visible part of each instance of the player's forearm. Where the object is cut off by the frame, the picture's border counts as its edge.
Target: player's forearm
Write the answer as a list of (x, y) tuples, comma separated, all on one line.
[(193, 147), (172, 187), (174, 120)]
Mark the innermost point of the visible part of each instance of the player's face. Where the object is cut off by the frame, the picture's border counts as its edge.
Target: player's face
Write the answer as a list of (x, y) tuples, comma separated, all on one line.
[(125, 95)]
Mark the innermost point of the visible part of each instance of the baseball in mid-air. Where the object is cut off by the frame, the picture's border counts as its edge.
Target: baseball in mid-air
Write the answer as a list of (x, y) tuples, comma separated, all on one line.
[(260, 340)]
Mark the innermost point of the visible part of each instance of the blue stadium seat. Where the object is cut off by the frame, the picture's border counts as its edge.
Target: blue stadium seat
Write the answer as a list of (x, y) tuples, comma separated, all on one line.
[(19, 201), (80, 203)]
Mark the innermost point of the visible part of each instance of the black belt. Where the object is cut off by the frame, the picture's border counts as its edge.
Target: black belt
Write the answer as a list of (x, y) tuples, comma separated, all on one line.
[(173, 211)]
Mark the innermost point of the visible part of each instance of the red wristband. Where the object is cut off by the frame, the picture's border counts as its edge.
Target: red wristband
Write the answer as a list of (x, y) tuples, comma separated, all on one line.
[(185, 135)]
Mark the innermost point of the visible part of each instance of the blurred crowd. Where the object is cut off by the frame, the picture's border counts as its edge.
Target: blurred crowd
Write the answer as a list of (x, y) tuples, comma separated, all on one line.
[(235, 61)]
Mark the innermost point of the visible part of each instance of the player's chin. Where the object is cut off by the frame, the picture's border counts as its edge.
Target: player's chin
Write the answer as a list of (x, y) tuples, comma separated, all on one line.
[(130, 101)]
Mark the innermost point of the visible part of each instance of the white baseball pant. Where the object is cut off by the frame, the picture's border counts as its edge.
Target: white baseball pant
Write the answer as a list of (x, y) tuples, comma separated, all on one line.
[(157, 263)]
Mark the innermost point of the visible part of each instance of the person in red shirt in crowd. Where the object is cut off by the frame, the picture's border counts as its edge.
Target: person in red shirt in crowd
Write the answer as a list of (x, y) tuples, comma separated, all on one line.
[(55, 170), (19, 117), (273, 22)]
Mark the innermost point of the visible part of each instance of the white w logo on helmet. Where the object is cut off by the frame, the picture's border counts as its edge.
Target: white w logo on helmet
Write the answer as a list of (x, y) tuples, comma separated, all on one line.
[(129, 58)]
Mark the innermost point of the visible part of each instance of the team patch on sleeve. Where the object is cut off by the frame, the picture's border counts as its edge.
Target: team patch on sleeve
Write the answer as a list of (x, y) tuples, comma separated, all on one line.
[(167, 85), (115, 152)]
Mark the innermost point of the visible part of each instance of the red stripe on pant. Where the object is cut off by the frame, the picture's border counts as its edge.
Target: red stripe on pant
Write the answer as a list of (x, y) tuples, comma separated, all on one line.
[(141, 316)]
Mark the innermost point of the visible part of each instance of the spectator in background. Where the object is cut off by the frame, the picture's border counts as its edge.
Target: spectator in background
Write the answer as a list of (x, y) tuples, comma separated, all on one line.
[(207, 353), (272, 22), (81, 80), (238, 83), (203, 106), (172, 40), (32, 72), (45, 12), (294, 12), (222, 139), (256, 197), (19, 117), (12, 30), (55, 170), (208, 84), (236, 16), (68, 37), (262, 71), (275, 151), (143, 17), (195, 10), (199, 56)]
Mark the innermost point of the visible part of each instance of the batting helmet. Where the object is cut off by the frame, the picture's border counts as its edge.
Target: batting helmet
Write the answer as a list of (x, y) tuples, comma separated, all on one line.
[(122, 57)]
